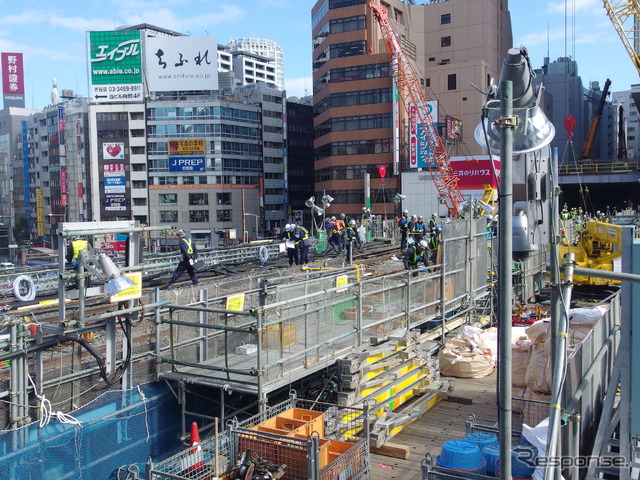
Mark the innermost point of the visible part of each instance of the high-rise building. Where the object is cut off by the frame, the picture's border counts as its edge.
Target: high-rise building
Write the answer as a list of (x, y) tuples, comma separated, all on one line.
[(258, 60), (359, 128)]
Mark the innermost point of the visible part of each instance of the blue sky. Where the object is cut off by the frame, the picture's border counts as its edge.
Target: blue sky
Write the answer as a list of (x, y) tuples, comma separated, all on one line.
[(51, 35)]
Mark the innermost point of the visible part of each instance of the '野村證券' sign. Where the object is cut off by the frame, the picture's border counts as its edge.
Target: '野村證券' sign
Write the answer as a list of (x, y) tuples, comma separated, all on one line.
[(115, 66)]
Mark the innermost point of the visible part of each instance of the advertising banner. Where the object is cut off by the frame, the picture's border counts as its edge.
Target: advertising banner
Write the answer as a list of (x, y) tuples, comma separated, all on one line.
[(187, 147), (115, 203), (113, 151), (454, 129), (115, 66), (115, 184), (475, 172), (113, 170), (419, 149), (186, 164), (182, 63), (12, 79)]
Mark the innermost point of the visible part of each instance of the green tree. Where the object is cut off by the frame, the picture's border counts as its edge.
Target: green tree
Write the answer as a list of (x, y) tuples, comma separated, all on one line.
[(20, 231)]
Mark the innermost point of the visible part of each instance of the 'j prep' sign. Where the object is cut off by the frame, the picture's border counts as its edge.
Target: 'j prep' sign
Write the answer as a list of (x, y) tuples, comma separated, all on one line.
[(186, 164)]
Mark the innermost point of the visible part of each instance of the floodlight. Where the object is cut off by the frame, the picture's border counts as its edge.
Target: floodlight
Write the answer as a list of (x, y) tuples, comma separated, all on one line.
[(116, 282), (310, 202), (398, 197), (319, 211), (326, 200), (533, 130), (486, 207)]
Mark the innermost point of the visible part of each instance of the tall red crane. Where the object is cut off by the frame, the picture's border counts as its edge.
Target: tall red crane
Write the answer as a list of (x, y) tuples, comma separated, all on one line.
[(412, 95)]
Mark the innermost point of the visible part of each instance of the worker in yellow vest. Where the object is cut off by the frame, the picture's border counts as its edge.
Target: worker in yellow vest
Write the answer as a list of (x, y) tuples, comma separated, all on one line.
[(74, 249), (189, 255)]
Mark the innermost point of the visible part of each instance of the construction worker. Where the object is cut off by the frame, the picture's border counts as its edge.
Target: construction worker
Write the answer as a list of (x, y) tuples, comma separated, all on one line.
[(341, 223), (303, 243), (291, 240), (403, 223), (334, 234), (433, 223), (350, 238), (188, 254), (410, 228), (365, 223), (434, 242), (74, 249), (419, 230), (416, 253)]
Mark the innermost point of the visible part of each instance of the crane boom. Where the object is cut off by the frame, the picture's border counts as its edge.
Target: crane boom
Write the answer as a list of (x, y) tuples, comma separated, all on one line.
[(595, 120), (623, 15), (411, 95)]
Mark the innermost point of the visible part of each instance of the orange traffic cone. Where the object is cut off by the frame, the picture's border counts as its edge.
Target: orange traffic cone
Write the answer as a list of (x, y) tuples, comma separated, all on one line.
[(195, 453)]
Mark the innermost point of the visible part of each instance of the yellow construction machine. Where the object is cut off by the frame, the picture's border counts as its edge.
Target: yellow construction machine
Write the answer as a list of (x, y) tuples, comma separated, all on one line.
[(598, 246)]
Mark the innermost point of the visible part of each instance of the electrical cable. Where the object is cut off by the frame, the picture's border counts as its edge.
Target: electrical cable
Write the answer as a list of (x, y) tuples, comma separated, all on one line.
[(47, 413)]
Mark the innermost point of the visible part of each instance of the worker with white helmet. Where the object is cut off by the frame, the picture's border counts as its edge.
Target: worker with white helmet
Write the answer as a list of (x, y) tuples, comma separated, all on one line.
[(433, 223), (403, 224), (416, 253), (291, 244), (350, 238)]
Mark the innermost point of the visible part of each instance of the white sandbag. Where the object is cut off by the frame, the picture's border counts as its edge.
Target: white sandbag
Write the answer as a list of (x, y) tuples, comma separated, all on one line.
[(459, 359), (520, 356), (538, 377)]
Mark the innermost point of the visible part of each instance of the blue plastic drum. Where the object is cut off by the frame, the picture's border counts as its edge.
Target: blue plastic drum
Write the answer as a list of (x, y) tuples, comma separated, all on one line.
[(491, 454), (462, 455)]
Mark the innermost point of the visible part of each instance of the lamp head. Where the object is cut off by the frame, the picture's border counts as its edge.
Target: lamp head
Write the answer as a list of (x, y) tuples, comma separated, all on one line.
[(534, 131), (116, 281)]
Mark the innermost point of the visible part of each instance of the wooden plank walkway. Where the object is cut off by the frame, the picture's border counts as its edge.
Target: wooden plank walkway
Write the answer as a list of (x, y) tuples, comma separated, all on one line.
[(446, 421)]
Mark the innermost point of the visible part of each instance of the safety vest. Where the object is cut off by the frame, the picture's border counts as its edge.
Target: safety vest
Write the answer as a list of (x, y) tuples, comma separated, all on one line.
[(78, 246), (188, 242), (434, 241), (305, 231), (416, 256)]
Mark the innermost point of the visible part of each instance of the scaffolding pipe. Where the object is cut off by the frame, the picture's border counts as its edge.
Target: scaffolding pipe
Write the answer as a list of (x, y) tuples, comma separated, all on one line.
[(505, 285)]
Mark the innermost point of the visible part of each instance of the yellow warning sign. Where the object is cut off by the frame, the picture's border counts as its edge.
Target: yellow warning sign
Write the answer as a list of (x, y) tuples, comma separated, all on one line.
[(131, 293), (236, 302)]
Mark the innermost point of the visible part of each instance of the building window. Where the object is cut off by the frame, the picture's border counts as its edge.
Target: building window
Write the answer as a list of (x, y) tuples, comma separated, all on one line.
[(445, 41), (223, 215), (198, 199), (223, 198), (139, 202), (168, 216), (427, 82), (445, 19), (139, 184), (168, 199), (451, 82), (199, 216)]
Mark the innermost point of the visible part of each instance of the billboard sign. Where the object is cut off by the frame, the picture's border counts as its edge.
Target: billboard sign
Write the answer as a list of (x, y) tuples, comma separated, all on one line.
[(419, 148), (115, 184), (12, 79), (113, 151), (475, 172), (453, 129), (113, 170), (115, 66), (186, 164), (182, 63), (187, 147), (115, 203)]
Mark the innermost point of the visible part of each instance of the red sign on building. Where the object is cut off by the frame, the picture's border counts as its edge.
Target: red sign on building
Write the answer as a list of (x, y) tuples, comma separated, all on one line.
[(12, 79)]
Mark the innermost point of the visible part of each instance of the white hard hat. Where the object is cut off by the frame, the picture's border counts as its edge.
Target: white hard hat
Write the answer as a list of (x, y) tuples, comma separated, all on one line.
[(352, 222), (434, 214), (288, 227), (414, 216), (406, 212), (423, 243)]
